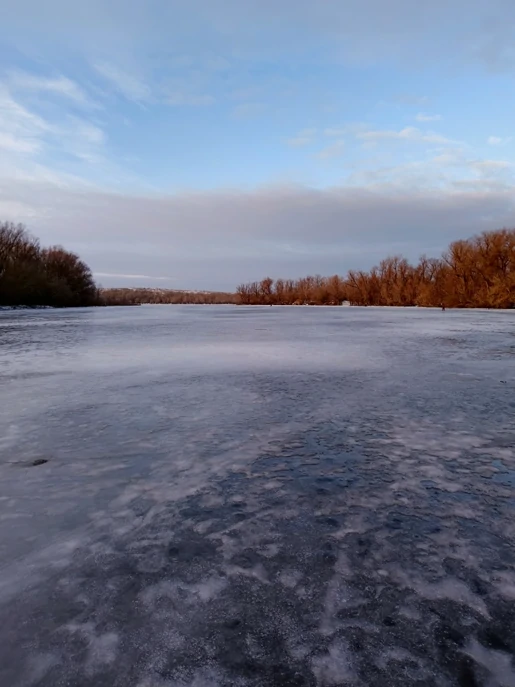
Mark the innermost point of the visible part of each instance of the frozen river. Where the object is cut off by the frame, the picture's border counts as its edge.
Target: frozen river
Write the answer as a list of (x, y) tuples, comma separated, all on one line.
[(257, 496)]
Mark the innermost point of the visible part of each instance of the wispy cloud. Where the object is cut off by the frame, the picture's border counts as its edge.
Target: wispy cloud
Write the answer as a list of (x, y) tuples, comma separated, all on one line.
[(14, 114), (59, 85), (217, 63), (27, 139), (458, 159), (248, 93), (126, 84), (88, 132), (411, 134), (490, 165), (450, 158), (248, 110), (351, 128), (83, 139), (335, 132), (331, 151), (498, 141), (21, 131), (410, 99), (11, 143), (137, 90), (303, 138), (189, 99), (423, 117)]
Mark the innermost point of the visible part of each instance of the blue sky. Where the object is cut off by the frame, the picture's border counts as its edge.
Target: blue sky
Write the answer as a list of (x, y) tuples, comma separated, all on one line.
[(197, 144)]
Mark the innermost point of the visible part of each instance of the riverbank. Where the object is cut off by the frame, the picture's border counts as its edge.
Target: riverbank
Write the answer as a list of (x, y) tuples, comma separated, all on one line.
[(25, 307)]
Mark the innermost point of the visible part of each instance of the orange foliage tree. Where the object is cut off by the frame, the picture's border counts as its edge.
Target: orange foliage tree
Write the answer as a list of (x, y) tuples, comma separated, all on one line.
[(474, 273)]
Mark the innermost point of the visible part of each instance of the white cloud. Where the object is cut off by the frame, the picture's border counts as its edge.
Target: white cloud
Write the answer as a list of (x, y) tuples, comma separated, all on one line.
[(248, 110), (450, 157), (126, 84), (16, 117), (331, 151), (82, 139), (25, 136), (351, 128), (217, 63), (248, 93), (10, 143), (335, 132), (86, 131), (139, 91), (60, 85), (303, 138), (490, 165), (410, 133), (498, 141), (299, 141), (92, 133), (21, 131), (177, 99), (487, 169), (422, 117)]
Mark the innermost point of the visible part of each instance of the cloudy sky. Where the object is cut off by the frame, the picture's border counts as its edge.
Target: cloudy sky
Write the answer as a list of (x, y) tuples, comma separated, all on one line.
[(200, 143)]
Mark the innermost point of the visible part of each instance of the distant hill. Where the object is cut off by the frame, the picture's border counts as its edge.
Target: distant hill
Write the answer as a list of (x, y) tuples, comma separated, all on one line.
[(140, 296)]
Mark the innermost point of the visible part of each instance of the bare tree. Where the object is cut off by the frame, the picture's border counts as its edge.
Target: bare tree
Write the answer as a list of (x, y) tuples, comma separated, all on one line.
[(478, 272)]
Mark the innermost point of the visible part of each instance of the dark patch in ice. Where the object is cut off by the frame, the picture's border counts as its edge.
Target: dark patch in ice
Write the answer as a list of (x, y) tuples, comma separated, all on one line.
[(191, 549), (465, 670), (39, 461)]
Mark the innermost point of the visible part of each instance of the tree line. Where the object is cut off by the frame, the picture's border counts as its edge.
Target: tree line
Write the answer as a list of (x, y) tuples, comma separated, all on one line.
[(474, 273), (124, 296), (34, 276)]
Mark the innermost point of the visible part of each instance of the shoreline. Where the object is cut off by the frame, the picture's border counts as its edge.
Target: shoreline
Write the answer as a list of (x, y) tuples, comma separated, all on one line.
[(14, 308)]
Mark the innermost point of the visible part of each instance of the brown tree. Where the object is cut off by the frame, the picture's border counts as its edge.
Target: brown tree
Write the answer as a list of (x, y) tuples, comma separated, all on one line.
[(478, 272)]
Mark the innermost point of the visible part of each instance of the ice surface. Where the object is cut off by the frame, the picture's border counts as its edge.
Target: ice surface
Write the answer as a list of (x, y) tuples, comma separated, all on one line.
[(257, 496)]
